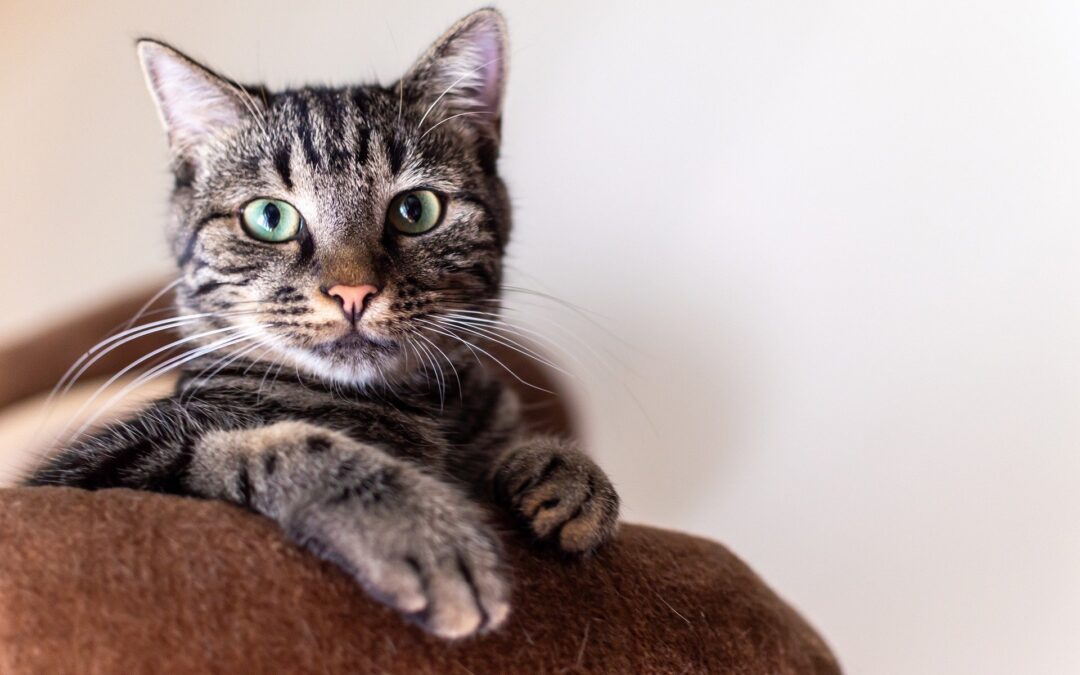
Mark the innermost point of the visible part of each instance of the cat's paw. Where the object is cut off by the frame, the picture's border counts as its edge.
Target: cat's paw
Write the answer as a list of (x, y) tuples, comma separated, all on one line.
[(559, 493), (415, 545)]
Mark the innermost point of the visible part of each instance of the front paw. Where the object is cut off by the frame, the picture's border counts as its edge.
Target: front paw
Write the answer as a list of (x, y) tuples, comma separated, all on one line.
[(421, 549), (560, 495)]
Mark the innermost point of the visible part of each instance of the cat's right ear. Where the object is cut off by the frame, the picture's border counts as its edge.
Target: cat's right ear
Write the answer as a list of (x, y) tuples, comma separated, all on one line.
[(195, 104)]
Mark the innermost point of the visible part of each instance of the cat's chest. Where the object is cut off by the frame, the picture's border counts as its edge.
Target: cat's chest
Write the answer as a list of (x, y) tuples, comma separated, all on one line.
[(414, 423), (386, 423)]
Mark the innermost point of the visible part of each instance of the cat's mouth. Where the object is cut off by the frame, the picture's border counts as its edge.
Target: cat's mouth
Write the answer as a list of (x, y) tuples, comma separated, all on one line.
[(356, 342), (352, 357)]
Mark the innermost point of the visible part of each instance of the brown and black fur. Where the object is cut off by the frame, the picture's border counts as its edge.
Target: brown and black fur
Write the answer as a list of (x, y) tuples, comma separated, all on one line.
[(370, 444)]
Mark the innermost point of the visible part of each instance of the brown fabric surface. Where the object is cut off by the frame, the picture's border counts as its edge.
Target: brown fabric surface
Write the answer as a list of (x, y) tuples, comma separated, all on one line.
[(121, 581)]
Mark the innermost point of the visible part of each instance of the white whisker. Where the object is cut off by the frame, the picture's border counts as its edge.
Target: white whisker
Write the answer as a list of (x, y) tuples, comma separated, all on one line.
[(150, 374), (143, 359), (448, 361), (472, 347), (157, 296), (221, 364), (122, 338), (436, 371), (504, 341), (526, 333)]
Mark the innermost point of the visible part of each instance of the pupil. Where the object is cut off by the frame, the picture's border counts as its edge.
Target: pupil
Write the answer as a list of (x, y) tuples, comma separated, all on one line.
[(271, 216), (412, 208)]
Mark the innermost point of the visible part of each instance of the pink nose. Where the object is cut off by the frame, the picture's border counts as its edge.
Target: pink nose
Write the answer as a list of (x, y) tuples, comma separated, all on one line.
[(353, 299)]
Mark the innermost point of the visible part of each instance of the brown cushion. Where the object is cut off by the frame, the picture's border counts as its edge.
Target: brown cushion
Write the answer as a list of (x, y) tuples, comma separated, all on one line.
[(122, 581)]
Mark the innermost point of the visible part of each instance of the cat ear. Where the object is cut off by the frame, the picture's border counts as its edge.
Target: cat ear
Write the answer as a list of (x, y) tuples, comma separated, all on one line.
[(464, 73), (194, 104)]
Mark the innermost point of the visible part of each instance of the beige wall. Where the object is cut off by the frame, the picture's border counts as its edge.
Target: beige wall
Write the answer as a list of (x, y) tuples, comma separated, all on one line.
[(842, 238)]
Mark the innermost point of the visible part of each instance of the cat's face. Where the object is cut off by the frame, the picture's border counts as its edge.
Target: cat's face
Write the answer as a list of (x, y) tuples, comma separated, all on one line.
[(335, 229)]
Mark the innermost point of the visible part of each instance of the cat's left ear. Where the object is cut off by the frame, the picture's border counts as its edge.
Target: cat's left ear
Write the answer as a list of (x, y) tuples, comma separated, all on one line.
[(464, 73), (195, 104)]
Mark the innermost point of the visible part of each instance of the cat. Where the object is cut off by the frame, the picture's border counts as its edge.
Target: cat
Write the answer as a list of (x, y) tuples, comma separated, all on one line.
[(337, 243)]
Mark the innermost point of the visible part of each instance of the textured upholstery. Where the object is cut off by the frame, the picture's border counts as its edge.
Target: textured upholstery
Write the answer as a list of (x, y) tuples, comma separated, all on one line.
[(121, 581)]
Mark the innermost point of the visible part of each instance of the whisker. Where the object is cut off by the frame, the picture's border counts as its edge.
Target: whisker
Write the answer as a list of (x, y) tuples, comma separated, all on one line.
[(504, 341), (268, 346), (408, 343), (124, 337), (400, 100), (266, 373), (163, 324), (577, 338), (157, 296), (143, 359), (277, 373), (159, 369), (553, 298), (416, 352), (178, 360), (583, 312), (101, 349), (472, 346), (221, 364), (436, 371), (448, 361), (505, 325), (602, 360)]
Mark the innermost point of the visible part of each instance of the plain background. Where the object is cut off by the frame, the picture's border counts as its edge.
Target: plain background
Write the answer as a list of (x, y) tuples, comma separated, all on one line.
[(838, 243)]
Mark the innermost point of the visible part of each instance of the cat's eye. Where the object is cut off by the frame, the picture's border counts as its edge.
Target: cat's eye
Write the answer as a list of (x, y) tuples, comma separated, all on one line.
[(415, 211), (271, 220)]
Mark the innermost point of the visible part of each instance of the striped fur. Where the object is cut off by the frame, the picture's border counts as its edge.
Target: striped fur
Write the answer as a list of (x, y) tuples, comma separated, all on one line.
[(373, 445)]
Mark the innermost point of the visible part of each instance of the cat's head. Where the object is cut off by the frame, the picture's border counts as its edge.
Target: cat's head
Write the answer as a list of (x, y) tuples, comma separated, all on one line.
[(336, 229)]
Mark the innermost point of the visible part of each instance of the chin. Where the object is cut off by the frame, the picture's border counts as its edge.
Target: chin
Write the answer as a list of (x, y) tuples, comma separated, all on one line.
[(352, 359)]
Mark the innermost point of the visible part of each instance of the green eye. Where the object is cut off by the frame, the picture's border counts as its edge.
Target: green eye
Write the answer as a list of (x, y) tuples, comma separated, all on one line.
[(271, 220), (415, 212)]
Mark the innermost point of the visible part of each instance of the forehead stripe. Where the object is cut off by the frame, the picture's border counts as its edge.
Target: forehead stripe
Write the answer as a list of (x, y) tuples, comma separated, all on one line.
[(333, 108), (303, 130), (281, 162), (363, 140), (395, 154)]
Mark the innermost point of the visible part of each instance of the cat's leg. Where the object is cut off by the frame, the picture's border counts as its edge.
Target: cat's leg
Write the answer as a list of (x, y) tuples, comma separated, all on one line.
[(412, 541), (559, 494)]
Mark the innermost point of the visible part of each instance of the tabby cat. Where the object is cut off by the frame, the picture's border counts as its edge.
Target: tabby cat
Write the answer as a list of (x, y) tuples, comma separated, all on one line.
[(336, 243)]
